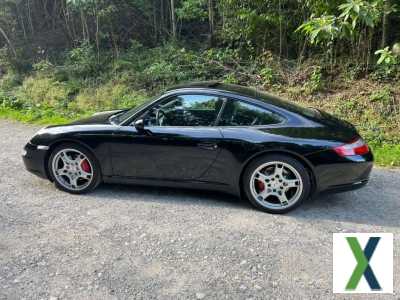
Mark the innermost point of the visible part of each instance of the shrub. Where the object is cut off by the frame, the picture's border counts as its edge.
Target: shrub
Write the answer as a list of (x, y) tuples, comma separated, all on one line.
[(382, 96), (82, 62), (9, 101), (43, 92), (267, 75), (109, 96), (388, 63), (10, 80), (315, 82)]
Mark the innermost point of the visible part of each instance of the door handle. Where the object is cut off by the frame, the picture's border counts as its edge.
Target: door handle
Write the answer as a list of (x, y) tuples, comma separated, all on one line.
[(207, 146)]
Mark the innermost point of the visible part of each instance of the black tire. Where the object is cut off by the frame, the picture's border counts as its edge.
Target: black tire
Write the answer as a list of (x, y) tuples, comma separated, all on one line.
[(96, 179), (256, 163)]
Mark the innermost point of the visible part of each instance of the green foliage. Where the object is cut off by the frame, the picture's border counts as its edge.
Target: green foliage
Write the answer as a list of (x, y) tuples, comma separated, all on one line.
[(267, 75), (192, 10), (43, 66), (322, 29), (112, 95), (316, 82), (383, 96), (387, 155), (361, 11), (388, 63), (10, 80), (43, 92), (36, 116), (386, 57), (230, 78), (350, 22), (9, 101), (82, 61)]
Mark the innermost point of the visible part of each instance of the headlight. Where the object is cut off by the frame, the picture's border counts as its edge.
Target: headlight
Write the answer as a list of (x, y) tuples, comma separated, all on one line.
[(41, 130)]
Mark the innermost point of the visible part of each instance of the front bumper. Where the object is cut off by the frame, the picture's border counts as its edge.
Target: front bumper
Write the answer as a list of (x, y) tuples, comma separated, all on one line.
[(34, 158)]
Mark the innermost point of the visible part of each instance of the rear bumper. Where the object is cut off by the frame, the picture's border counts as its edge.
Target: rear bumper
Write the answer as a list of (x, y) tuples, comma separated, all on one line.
[(346, 187), (341, 174), (34, 160)]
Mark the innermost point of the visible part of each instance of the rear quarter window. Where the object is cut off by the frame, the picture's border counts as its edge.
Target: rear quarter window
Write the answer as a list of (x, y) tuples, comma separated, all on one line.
[(239, 113)]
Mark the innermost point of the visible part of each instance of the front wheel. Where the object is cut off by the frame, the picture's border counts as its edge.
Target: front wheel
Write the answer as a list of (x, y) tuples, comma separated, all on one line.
[(74, 169), (276, 183)]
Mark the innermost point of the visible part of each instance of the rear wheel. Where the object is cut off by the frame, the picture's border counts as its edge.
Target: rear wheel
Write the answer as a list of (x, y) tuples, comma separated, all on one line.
[(276, 183), (74, 169)]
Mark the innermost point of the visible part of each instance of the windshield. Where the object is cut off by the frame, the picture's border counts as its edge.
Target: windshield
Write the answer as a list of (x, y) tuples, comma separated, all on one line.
[(126, 114)]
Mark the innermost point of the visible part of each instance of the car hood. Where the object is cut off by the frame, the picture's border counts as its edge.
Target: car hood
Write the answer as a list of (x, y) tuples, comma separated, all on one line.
[(99, 122)]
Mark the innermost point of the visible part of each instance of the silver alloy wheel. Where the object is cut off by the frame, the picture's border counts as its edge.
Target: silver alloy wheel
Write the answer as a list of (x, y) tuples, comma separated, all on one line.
[(276, 185), (72, 169)]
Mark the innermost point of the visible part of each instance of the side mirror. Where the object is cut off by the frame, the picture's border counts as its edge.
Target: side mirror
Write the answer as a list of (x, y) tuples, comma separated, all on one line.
[(139, 125)]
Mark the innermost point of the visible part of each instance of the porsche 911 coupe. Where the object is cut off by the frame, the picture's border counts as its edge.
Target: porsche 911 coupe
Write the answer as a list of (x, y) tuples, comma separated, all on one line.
[(207, 135)]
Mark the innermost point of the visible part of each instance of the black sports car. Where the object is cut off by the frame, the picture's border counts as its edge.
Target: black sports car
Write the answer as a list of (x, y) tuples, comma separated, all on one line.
[(208, 136)]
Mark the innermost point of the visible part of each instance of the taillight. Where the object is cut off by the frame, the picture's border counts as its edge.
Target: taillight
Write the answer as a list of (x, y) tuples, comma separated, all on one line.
[(355, 147)]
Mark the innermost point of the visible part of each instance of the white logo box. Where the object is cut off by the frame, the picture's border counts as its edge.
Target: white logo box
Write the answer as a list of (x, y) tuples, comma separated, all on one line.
[(344, 262)]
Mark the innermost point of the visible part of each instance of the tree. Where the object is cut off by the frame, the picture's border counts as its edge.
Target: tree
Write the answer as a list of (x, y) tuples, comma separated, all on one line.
[(211, 15), (173, 18), (3, 33)]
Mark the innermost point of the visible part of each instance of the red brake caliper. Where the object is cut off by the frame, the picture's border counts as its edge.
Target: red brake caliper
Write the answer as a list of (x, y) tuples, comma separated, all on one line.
[(85, 166), (260, 185)]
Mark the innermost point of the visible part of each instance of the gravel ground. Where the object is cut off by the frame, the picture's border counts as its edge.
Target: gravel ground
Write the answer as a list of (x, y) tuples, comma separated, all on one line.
[(126, 242)]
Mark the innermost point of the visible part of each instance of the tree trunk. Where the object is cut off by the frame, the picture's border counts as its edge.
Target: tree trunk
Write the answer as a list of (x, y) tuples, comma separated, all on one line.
[(97, 37), (301, 53), (96, 14), (83, 26), (162, 17), (3, 33), (385, 23), (369, 46), (30, 17), (173, 19), (21, 20), (155, 25), (85, 29), (280, 30), (54, 15), (211, 15), (64, 11), (115, 44)]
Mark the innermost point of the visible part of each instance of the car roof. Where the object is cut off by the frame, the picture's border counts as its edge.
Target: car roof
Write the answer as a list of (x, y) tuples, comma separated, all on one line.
[(230, 88), (217, 85), (247, 92)]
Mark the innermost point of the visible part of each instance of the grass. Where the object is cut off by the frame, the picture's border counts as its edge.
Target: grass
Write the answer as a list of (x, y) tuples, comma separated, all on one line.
[(385, 155), (36, 117)]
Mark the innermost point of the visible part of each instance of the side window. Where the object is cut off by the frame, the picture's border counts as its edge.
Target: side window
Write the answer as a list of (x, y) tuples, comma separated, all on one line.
[(185, 110), (238, 113)]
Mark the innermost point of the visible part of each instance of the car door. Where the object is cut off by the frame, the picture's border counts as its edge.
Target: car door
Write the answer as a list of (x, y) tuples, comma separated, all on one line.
[(179, 140)]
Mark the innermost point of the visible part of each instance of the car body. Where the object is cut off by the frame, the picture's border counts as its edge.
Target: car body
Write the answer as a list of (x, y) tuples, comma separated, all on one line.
[(184, 143)]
